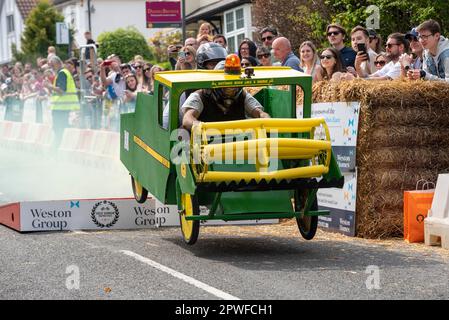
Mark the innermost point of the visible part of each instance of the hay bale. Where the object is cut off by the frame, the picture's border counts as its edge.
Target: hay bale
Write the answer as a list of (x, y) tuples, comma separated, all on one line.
[(403, 137)]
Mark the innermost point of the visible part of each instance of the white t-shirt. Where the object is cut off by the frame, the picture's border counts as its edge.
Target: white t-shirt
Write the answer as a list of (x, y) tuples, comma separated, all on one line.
[(391, 70), (369, 66), (194, 102)]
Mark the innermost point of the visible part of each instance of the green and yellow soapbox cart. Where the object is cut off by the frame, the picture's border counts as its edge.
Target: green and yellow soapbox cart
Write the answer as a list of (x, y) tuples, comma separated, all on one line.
[(247, 169)]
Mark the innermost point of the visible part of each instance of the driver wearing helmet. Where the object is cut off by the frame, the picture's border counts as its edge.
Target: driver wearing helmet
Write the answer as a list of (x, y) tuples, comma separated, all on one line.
[(223, 104)]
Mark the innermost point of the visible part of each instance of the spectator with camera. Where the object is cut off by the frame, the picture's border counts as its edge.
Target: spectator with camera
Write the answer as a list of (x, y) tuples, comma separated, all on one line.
[(436, 53), (364, 60), (173, 54), (415, 59), (186, 59), (115, 85)]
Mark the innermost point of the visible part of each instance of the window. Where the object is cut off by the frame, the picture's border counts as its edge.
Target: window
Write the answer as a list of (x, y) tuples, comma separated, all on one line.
[(230, 22), (10, 23), (240, 19), (231, 44), (240, 38), (238, 26)]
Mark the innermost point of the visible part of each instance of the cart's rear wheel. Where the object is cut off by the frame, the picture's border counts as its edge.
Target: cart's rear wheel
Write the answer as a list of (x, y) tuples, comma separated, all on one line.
[(307, 225), (190, 228), (140, 193)]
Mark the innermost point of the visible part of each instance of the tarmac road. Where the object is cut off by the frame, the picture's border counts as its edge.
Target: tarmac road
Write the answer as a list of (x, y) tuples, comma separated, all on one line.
[(245, 262)]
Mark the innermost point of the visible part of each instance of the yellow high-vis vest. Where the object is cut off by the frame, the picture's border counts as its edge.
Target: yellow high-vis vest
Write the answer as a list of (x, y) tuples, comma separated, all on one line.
[(69, 99)]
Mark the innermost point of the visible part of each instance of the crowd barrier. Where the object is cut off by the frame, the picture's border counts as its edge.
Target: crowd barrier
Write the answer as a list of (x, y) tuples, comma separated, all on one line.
[(97, 148), (26, 136)]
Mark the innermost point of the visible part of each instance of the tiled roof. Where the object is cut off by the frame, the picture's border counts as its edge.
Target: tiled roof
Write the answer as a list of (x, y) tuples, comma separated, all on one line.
[(25, 7)]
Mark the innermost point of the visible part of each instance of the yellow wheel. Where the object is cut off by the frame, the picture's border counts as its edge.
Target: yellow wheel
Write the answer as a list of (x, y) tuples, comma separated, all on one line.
[(140, 193), (190, 228)]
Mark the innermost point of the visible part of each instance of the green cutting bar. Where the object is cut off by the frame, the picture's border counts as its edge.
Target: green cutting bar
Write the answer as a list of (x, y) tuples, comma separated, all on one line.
[(234, 217)]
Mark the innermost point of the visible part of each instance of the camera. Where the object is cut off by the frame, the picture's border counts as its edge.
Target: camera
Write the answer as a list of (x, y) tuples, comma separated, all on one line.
[(107, 62), (361, 47), (181, 54)]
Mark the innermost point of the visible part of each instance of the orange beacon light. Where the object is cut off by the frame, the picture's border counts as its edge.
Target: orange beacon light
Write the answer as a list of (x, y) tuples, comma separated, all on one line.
[(232, 64)]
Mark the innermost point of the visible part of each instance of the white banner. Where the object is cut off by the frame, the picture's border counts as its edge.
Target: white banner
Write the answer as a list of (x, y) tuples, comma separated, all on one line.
[(104, 214), (342, 119)]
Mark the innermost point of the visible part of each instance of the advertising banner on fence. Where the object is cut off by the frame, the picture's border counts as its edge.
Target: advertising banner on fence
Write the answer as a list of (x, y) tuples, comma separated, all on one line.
[(342, 119), (97, 214), (163, 14)]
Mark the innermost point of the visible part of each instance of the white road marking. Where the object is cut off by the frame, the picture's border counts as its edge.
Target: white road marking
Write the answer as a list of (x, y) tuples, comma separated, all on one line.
[(216, 292)]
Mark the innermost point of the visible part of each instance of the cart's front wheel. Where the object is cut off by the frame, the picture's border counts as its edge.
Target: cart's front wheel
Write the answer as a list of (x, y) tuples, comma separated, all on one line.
[(307, 225), (190, 228), (140, 193)]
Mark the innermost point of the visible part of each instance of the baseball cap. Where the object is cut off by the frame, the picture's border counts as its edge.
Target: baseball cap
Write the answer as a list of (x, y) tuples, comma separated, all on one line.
[(412, 34), (372, 33)]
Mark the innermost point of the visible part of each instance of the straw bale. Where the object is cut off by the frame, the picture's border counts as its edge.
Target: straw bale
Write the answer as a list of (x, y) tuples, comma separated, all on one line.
[(411, 157), (390, 136), (395, 179), (403, 137)]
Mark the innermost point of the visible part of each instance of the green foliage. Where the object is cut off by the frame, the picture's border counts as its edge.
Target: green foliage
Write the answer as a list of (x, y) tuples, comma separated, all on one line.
[(40, 33), (161, 42), (126, 43)]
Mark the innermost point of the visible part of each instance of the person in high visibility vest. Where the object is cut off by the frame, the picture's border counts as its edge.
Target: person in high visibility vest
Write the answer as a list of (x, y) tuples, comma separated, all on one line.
[(64, 98)]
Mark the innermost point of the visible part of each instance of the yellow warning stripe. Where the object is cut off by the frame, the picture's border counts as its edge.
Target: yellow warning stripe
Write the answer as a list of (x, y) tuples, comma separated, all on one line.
[(152, 152)]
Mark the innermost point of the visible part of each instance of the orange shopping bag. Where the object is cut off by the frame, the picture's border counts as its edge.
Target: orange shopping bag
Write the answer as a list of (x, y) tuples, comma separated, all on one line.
[(416, 205)]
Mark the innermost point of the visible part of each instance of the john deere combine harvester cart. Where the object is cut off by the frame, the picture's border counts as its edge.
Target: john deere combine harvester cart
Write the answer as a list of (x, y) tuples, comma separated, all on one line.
[(238, 170)]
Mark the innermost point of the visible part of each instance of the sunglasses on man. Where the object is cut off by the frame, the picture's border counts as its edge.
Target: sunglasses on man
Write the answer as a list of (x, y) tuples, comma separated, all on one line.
[(333, 33), (390, 45), (265, 55), (269, 38)]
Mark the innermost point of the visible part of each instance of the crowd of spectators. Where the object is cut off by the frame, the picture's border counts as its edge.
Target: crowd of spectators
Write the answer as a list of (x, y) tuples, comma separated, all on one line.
[(112, 85)]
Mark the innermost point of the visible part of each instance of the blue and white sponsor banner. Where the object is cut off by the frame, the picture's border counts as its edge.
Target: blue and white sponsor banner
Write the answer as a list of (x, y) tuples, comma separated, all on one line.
[(342, 119), (104, 214)]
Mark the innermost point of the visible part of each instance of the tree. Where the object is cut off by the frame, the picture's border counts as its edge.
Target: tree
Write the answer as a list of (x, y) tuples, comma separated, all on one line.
[(297, 20), (126, 43), (40, 33), (161, 42)]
